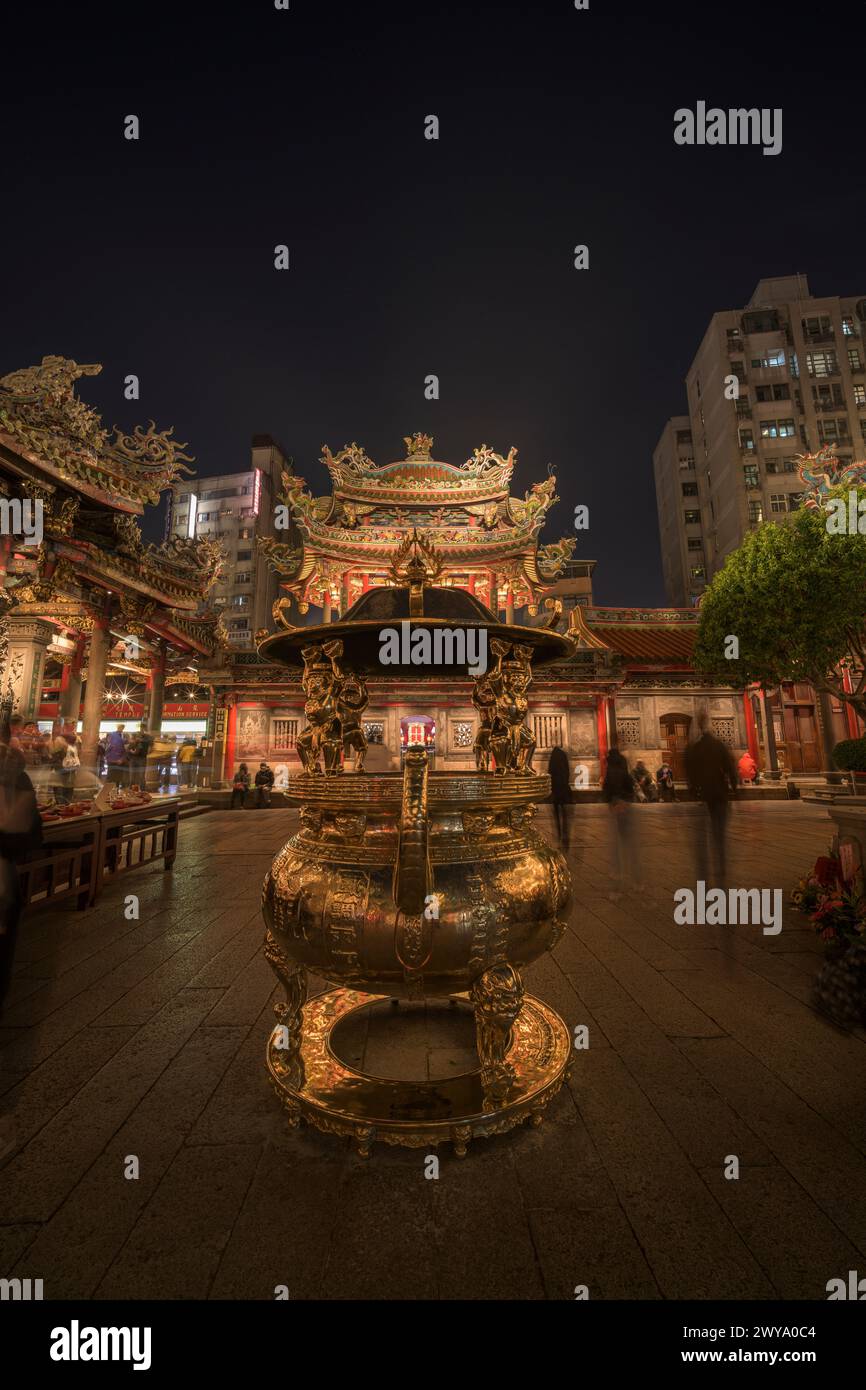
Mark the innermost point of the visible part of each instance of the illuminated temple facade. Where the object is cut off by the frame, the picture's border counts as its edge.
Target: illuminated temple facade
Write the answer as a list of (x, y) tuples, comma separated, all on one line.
[(98, 626), (630, 679)]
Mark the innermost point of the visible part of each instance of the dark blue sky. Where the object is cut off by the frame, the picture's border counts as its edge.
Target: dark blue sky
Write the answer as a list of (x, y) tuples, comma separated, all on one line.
[(409, 256)]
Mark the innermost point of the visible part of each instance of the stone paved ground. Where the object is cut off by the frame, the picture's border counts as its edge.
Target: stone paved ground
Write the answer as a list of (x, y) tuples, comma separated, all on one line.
[(148, 1038)]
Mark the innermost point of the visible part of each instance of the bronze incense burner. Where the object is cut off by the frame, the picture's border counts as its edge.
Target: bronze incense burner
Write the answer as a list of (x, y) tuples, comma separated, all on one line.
[(415, 885)]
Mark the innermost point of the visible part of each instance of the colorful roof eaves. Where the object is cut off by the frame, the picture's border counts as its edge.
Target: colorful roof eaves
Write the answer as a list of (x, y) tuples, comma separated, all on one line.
[(641, 636)]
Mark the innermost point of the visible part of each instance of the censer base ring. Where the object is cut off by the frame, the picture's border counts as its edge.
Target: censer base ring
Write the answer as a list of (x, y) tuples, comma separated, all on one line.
[(317, 1086)]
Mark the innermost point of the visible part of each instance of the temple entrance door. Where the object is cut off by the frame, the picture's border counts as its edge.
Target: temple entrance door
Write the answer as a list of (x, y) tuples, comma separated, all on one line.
[(418, 731), (675, 740), (801, 738)]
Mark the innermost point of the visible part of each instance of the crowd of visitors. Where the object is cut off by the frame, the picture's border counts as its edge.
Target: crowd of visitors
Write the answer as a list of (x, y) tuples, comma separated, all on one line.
[(711, 776), (125, 758)]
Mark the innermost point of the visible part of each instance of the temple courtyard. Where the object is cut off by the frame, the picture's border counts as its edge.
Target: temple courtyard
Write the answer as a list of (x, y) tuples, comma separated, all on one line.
[(144, 1039)]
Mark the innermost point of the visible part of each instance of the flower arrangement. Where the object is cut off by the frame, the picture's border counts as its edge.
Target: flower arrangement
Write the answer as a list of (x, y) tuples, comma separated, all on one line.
[(835, 905)]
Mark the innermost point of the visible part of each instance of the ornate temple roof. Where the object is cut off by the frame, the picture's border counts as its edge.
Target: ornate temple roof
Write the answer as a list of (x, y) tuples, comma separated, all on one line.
[(465, 512), (641, 636), (90, 486), (43, 421)]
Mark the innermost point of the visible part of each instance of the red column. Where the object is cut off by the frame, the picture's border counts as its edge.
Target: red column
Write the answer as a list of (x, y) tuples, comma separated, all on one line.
[(231, 739), (751, 731), (601, 723)]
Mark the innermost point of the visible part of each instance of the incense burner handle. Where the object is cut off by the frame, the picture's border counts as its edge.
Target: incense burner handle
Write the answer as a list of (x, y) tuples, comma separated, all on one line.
[(412, 870)]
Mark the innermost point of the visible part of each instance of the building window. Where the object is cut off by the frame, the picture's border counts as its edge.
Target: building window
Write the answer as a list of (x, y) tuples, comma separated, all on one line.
[(750, 475), (847, 327), (859, 393), (774, 358), (245, 578), (690, 489), (817, 329), (777, 429), (693, 518), (724, 730), (284, 735), (778, 502), (823, 363), (747, 439), (854, 361), (628, 733), (779, 391), (684, 436), (756, 513), (240, 600), (833, 431), (244, 555), (695, 543), (698, 572), (547, 730), (245, 533)]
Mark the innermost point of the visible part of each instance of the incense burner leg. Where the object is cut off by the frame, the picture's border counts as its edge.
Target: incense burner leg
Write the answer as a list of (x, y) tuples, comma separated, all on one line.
[(497, 997), (293, 979)]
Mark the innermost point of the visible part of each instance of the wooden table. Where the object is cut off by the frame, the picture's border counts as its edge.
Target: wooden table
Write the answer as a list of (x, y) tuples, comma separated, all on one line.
[(81, 853), (136, 836), (67, 864)]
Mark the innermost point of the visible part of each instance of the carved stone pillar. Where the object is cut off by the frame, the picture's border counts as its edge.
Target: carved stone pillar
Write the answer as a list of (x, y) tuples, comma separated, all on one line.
[(156, 685), (97, 665), (25, 664), (70, 687)]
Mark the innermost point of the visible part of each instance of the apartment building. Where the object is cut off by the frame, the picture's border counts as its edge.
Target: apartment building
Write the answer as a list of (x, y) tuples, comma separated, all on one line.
[(784, 376), (682, 545), (236, 508)]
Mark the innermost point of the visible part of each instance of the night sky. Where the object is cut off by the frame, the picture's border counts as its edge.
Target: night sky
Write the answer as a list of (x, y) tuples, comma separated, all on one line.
[(410, 256)]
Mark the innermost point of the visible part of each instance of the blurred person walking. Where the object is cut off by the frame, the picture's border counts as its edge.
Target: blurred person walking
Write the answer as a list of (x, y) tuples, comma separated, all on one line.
[(712, 777), (20, 835), (186, 762), (618, 791), (139, 747), (560, 792), (116, 757)]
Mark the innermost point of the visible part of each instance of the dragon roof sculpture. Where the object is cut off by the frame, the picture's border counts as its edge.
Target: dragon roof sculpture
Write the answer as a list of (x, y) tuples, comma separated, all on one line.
[(42, 419), (823, 471)]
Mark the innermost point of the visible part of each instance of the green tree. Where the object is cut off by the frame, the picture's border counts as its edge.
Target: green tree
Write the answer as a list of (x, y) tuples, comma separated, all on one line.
[(794, 595)]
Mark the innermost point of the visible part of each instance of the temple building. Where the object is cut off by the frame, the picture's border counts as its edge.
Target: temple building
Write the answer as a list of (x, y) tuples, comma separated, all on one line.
[(87, 605), (98, 626), (630, 679)]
